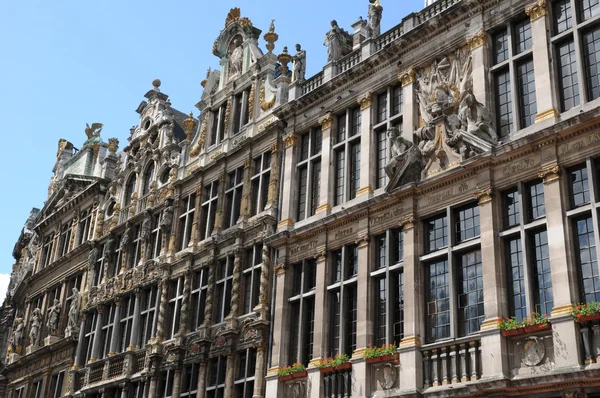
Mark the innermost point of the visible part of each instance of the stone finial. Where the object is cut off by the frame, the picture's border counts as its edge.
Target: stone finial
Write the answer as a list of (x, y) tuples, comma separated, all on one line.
[(189, 124), (284, 59), (156, 84), (271, 37), (203, 82), (113, 146)]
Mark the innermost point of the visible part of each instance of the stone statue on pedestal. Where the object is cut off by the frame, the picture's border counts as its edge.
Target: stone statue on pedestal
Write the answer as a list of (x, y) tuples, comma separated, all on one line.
[(338, 41), (236, 59), (53, 318), (35, 327), (167, 217), (375, 13), (299, 64), (73, 321)]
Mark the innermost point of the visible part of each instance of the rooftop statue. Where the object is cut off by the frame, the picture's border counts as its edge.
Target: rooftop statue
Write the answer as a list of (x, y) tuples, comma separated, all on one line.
[(299, 64), (94, 130), (236, 58), (338, 41), (375, 13)]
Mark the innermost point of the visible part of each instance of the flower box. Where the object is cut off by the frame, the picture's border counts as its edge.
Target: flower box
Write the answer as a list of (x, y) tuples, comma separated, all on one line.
[(344, 366), (387, 358), (286, 377), (326, 370), (374, 360), (537, 328), (588, 318), (298, 375), (512, 332)]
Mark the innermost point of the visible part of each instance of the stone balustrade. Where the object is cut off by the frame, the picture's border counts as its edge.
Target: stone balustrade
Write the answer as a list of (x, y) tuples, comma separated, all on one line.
[(451, 364), (338, 384), (590, 338)]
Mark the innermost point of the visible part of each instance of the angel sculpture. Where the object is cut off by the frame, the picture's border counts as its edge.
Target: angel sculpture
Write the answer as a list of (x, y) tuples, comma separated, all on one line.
[(94, 130)]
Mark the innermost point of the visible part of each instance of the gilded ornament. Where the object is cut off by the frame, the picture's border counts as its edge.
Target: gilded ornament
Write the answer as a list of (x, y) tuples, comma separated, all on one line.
[(94, 130), (203, 82), (290, 140), (265, 105), (271, 37), (479, 40), (366, 101), (251, 98), (284, 59), (407, 223), (549, 114), (113, 146), (233, 16), (484, 196), (227, 114), (550, 174), (537, 10), (326, 122), (407, 77), (189, 124)]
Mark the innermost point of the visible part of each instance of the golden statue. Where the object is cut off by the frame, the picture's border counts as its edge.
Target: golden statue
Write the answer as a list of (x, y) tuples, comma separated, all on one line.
[(93, 131)]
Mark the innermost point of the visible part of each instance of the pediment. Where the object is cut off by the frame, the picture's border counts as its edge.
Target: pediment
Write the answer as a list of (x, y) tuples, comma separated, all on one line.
[(69, 188), (235, 25)]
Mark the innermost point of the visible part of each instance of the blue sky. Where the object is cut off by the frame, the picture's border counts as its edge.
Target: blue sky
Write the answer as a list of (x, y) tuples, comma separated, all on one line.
[(68, 63)]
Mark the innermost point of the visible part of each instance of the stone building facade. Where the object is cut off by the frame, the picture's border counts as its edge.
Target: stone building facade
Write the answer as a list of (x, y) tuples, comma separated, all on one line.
[(429, 181)]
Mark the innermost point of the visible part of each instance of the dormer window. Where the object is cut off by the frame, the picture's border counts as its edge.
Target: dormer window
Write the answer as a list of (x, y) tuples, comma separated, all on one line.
[(217, 132), (148, 178), (240, 111), (146, 125), (129, 190)]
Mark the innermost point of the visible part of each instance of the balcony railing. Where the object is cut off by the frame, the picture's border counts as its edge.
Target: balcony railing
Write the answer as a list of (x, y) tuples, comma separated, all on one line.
[(312, 83), (434, 9), (451, 364), (350, 60), (124, 216), (142, 203), (96, 370), (389, 36), (120, 365), (590, 336), (140, 361), (338, 384)]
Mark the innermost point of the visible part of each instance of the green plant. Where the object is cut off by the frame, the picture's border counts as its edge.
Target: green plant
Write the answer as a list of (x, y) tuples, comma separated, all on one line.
[(375, 352), (288, 370), (512, 323), (580, 310), (334, 362)]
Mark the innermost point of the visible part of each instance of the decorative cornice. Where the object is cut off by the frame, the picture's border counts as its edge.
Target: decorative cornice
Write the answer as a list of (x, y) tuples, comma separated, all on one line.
[(479, 40), (536, 10), (290, 140), (326, 122), (407, 77), (366, 101), (549, 114), (550, 174), (483, 196)]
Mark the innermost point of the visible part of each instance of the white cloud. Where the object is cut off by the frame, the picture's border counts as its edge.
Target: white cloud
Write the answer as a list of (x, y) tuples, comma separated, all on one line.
[(4, 280)]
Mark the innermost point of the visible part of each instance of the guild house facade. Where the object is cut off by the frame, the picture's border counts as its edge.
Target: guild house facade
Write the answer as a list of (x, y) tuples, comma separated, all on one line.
[(429, 183)]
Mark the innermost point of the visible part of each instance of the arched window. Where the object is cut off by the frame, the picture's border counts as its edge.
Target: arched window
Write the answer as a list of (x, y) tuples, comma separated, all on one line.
[(148, 178), (164, 177), (129, 189)]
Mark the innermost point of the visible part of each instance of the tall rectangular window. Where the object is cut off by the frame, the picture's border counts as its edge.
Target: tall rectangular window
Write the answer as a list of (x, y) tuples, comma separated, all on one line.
[(500, 42), (470, 293), (127, 314), (233, 197), (523, 40), (387, 118), (579, 185), (244, 374), (186, 221), (382, 107), (543, 299), (84, 230), (199, 291), (224, 281), (438, 300), (510, 206), (209, 209), (527, 99), (302, 314), (587, 259), (56, 385), (217, 132), (382, 158), (251, 278), (88, 337), (64, 239), (467, 223), (134, 257), (240, 114), (215, 386), (516, 268), (537, 206), (309, 173), (591, 56), (148, 314), (189, 384), (342, 293), (108, 324), (174, 300), (567, 75), (165, 383), (346, 152), (503, 102), (155, 237), (436, 233), (260, 183)]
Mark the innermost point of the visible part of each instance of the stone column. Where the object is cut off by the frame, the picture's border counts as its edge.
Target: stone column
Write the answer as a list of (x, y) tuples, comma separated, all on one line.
[(153, 380), (564, 278), (245, 210), (364, 326), (480, 60), (195, 233), (218, 227), (177, 382), (124, 390), (116, 332), (229, 374), (367, 167), (493, 345), (262, 309), (79, 349), (325, 194), (235, 289), (210, 292), (289, 183), (259, 376), (97, 346), (273, 196), (162, 309), (281, 332), (201, 379), (185, 302), (173, 236), (410, 118), (321, 323), (411, 372), (544, 87), (135, 327)]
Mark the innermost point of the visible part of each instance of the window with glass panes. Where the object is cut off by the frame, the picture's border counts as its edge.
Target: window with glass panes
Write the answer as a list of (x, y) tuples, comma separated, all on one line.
[(155, 237), (174, 300), (186, 221), (108, 325), (148, 179), (56, 385), (198, 292), (342, 293), (260, 183), (233, 197), (47, 252), (583, 218), (525, 250), (388, 282), (218, 128), (189, 381), (129, 189), (308, 172), (215, 386), (36, 389), (19, 392), (116, 260), (209, 209), (389, 116), (165, 383), (64, 239), (243, 384), (84, 229), (251, 278), (453, 273), (224, 281), (134, 257), (346, 150), (240, 110), (576, 43), (127, 314), (88, 337), (513, 74), (137, 388), (302, 311), (148, 314)]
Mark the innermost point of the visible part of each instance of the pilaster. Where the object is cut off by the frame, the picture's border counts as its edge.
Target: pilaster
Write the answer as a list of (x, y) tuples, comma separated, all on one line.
[(326, 171), (289, 182), (321, 321), (480, 60), (367, 168), (409, 104), (116, 331), (245, 210), (273, 195), (185, 303), (218, 227), (201, 380)]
